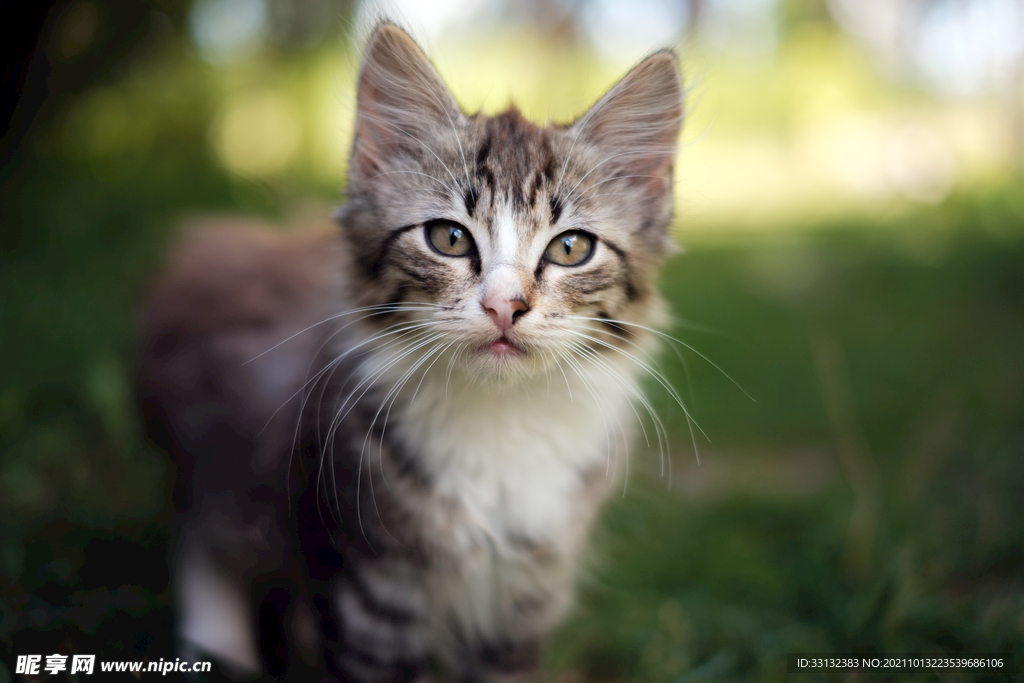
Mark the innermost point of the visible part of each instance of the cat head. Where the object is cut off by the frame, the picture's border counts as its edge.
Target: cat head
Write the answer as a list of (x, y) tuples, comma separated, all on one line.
[(514, 243)]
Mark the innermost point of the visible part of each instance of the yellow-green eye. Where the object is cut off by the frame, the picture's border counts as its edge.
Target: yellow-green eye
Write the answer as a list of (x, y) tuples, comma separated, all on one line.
[(451, 239), (570, 248)]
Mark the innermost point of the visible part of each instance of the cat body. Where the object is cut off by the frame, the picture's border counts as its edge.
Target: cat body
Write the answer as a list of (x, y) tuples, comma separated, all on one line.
[(392, 465)]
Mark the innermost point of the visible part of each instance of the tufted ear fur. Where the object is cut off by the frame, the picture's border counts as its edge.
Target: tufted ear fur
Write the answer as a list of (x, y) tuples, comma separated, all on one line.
[(635, 126), (402, 103)]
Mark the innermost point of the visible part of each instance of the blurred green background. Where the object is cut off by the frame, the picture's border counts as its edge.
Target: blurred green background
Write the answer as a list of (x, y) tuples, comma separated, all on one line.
[(851, 207)]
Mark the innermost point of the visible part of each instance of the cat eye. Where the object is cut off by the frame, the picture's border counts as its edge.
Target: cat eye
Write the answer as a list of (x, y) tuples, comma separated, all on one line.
[(570, 248), (450, 239)]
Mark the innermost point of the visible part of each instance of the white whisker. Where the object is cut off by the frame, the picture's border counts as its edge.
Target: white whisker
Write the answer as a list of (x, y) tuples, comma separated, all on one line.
[(658, 376), (382, 308), (327, 441), (633, 392), (671, 339)]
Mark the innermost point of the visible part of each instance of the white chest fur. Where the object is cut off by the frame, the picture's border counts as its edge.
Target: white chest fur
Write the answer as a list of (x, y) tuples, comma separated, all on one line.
[(512, 457), (510, 463)]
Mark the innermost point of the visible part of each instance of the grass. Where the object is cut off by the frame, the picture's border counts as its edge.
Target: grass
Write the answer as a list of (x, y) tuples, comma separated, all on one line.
[(868, 501)]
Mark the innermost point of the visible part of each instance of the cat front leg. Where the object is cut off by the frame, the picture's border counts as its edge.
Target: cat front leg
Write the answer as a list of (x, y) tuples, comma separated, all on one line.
[(377, 632), (505, 661)]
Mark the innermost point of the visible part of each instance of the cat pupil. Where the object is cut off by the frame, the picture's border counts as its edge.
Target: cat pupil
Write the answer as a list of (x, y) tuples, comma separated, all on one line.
[(567, 243), (453, 236)]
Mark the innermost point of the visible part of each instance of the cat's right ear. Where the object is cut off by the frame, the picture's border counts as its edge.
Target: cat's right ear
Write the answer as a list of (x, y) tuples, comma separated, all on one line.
[(402, 103), (636, 125)]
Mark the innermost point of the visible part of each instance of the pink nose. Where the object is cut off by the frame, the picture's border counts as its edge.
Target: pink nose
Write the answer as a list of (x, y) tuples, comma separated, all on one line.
[(504, 312)]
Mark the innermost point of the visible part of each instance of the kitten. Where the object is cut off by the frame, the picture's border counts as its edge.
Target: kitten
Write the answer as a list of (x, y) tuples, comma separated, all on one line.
[(405, 485)]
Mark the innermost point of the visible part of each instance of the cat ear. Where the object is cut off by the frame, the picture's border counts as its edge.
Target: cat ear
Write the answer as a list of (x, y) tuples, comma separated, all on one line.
[(401, 102), (635, 126)]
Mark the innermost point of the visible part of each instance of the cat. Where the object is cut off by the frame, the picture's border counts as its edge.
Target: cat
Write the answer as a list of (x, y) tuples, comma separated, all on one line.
[(392, 439)]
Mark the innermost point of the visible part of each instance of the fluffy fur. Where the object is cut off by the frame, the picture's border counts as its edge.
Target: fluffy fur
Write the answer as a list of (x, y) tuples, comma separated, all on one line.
[(406, 484)]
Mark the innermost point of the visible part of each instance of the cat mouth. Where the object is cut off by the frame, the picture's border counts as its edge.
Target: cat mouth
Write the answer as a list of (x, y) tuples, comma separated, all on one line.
[(503, 346)]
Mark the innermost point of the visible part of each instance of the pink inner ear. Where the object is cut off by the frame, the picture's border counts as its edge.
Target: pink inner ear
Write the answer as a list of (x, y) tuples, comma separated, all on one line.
[(647, 166), (377, 136), (366, 150), (636, 124), (402, 100), (658, 174)]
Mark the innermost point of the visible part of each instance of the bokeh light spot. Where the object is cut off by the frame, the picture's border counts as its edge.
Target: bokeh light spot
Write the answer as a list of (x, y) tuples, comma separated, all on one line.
[(224, 30), (258, 134)]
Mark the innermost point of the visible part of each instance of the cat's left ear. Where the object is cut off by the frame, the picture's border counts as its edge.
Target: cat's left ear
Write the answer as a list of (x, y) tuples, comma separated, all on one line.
[(402, 103), (635, 126)]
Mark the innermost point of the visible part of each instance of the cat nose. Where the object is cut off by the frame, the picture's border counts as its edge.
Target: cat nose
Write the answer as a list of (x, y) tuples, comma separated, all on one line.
[(504, 311)]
